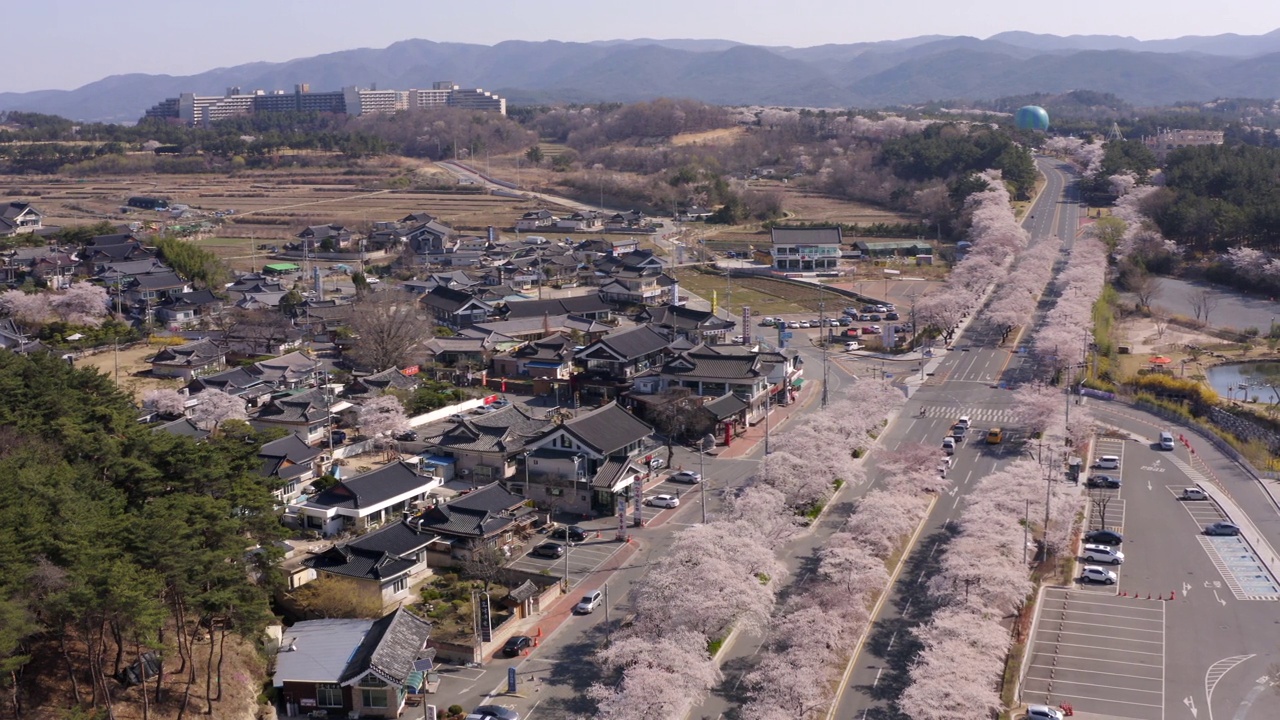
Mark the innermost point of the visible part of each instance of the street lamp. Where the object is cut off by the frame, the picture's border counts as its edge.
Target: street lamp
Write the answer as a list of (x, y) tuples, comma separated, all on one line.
[(702, 481)]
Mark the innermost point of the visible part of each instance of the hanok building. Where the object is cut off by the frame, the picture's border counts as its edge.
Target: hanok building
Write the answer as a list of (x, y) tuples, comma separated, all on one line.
[(588, 464), (804, 250), (384, 566), (487, 517), (488, 447), (189, 361), (681, 321), (455, 308), (367, 500), (608, 366)]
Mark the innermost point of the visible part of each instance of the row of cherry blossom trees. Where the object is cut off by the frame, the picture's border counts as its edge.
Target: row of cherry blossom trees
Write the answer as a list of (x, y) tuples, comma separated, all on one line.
[(821, 448), (82, 304), (996, 238), (1015, 300), (725, 574), (1067, 329), (1088, 155)]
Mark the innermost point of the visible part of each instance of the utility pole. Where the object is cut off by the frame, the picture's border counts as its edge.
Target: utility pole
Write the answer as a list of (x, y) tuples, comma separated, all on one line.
[(702, 482), (1048, 488), (1026, 529), (822, 325), (768, 397)]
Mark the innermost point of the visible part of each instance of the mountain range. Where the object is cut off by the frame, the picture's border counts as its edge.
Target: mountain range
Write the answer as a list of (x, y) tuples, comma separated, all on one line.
[(865, 75)]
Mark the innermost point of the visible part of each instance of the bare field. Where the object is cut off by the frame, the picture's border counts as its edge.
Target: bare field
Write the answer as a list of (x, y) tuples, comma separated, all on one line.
[(709, 137), (267, 204), (135, 377), (806, 206), (764, 295)]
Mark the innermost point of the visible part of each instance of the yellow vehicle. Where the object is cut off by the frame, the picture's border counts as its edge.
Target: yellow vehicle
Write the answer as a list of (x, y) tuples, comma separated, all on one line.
[(994, 436)]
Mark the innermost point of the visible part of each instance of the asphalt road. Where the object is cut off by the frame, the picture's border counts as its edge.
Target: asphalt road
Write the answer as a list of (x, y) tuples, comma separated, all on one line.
[(973, 380)]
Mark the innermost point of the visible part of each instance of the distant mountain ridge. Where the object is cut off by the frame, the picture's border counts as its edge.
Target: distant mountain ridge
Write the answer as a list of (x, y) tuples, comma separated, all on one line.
[(868, 75)]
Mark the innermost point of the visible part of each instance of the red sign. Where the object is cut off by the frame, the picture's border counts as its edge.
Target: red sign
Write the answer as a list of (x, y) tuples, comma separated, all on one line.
[(411, 370), (490, 399)]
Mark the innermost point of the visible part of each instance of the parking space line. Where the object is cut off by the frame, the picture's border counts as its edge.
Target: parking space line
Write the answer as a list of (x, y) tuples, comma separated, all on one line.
[(1100, 647), (1113, 615), (1100, 660), (1100, 625), (1106, 687), (1092, 697), (1096, 672), (1150, 642), (1111, 605)]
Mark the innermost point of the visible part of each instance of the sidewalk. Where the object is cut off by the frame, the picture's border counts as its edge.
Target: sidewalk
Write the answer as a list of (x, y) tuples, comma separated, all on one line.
[(745, 443)]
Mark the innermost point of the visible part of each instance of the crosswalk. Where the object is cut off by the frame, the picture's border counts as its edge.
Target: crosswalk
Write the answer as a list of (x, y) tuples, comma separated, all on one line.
[(982, 415)]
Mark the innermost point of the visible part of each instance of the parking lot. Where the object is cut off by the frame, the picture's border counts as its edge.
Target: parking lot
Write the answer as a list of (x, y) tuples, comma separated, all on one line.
[(1100, 654), (583, 558)]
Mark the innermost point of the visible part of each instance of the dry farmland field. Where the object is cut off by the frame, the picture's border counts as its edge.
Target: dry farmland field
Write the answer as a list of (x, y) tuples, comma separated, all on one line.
[(268, 205)]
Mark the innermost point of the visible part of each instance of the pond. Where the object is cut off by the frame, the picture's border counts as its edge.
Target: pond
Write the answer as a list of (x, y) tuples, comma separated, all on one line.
[(1246, 381)]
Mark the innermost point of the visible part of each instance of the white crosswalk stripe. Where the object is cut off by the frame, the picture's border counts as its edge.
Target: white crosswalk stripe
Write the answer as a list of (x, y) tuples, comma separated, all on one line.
[(984, 415)]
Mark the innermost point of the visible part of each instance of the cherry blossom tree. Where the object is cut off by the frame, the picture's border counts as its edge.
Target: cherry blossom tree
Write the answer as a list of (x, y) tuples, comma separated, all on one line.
[(382, 417), (884, 518), (81, 304), (26, 309), (165, 401), (216, 407), (663, 675), (845, 562), (1036, 405), (760, 510)]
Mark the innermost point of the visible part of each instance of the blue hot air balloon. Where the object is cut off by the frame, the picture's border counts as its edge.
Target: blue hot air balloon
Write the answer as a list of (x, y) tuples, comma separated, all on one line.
[(1031, 117)]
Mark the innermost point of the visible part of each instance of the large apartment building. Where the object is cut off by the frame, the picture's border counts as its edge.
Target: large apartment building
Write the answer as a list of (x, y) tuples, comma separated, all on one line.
[(195, 109), (1166, 141)]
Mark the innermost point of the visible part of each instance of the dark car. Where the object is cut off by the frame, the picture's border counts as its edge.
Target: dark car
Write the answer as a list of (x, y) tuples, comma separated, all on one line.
[(337, 437), (496, 712), (891, 316), (573, 533), (1103, 481), (548, 550), (406, 436), (1103, 537), (515, 644)]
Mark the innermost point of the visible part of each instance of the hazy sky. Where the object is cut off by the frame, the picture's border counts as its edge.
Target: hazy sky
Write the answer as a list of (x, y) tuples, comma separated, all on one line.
[(63, 44)]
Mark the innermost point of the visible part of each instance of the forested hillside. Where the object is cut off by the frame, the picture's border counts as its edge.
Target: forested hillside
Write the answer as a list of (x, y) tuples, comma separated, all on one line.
[(116, 540)]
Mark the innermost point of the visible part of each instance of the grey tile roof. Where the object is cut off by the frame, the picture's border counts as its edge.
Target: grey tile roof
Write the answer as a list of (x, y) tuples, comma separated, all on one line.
[(192, 354), (157, 281), (725, 406), (307, 406), (632, 343), (182, 426), (505, 431), (611, 471), (372, 488), (233, 382), (379, 383), (480, 513), (805, 236), (389, 648), (354, 562), (559, 306), (713, 366), (292, 447), (608, 429), (685, 318)]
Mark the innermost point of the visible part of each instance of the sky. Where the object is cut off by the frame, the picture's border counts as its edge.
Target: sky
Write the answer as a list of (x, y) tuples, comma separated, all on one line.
[(63, 44)]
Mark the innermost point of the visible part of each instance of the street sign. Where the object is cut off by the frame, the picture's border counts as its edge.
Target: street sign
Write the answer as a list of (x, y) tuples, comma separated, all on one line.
[(786, 335), (486, 620), (511, 680)]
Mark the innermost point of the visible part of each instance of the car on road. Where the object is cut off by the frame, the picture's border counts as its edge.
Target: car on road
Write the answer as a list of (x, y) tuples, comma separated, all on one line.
[(792, 324), (1102, 554), (406, 436), (1108, 462), (949, 445), (1103, 481), (1044, 712), (515, 644), (1222, 528), (589, 602), (804, 324), (494, 712), (688, 477), (657, 463), (844, 321), (663, 501), (832, 322), (964, 421), (1095, 574), (958, 431), (1104, 537), (739, 339), (1194, 494), (994, 436), (548, 550), (572, 533), (1166, 440)]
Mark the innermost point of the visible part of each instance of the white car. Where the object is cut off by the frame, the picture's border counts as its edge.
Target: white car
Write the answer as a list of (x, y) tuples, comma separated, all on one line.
[(964, 420), (663, 501), (1108, 462), (804, 323), (1102, 554), (589, 602), (949, 445), (1093, 573), (1194, 494), (657, 464), (1044, 712)]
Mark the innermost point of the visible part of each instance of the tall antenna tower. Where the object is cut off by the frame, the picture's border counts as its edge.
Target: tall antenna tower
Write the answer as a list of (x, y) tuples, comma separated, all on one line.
[(1114, 134)]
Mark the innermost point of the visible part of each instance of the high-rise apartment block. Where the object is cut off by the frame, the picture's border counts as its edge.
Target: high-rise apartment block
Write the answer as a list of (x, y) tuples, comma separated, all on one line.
[(195, 109)]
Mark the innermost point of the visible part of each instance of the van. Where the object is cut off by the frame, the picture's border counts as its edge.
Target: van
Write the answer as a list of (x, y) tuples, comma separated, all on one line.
[(964, 421), (1108, 462), (1166, 440)]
